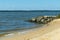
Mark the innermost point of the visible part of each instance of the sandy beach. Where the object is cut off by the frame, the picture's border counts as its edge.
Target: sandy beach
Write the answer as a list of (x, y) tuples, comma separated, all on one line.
[(50, 31)]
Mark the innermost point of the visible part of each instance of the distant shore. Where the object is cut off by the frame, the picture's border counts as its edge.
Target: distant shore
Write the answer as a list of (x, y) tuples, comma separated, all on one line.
[(29, 10)]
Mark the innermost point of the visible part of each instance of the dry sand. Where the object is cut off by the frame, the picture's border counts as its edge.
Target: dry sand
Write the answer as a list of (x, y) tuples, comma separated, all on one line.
[(50, 31)]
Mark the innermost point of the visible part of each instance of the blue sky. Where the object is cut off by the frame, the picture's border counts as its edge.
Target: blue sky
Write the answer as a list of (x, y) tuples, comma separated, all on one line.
[(29, 4)]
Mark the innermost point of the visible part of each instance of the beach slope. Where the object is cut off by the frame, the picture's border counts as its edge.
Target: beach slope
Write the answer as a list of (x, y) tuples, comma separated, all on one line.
[(50, 31)]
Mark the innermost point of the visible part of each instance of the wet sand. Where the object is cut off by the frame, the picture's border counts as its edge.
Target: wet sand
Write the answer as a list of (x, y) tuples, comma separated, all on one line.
[(50, 31)]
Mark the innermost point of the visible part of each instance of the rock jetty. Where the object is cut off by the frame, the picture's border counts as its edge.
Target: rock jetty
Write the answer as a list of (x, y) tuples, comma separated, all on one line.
[(42, 19)]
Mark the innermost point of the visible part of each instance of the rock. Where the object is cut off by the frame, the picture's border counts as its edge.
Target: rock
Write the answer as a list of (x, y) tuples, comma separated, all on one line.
[(33, 19), (42, 19), (38, 19)]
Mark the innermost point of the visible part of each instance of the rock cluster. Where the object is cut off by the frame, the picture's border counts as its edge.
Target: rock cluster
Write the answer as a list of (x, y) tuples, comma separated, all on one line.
[(42, 19)]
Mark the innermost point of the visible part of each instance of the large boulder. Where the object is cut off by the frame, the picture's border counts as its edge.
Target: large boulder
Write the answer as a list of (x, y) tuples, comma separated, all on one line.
[(39, 18)]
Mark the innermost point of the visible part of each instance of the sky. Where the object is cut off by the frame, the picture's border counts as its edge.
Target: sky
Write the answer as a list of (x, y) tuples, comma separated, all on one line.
[(29, 4)]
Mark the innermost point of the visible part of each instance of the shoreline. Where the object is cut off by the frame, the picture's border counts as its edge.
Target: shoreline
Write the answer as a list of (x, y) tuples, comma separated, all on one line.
[(21, 31), (37, 33)]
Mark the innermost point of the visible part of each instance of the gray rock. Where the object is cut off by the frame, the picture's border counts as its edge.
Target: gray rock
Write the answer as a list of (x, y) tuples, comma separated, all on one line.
[(43, 19)]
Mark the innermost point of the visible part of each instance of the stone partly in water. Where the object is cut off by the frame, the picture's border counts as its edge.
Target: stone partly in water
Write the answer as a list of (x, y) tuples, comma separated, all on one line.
[(42, 19), (33, 19)]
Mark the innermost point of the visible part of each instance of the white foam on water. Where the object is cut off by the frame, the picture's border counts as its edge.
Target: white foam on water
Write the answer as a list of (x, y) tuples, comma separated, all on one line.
[(11, 34)]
